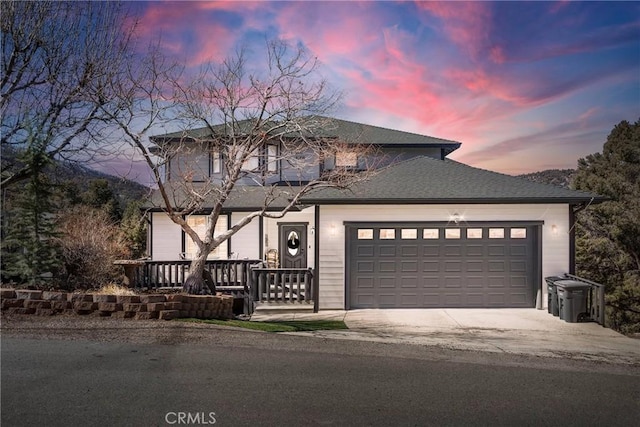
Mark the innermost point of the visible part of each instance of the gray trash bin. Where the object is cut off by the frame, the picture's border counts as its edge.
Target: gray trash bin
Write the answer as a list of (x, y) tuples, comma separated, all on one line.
[(552, 294), (572, 300)]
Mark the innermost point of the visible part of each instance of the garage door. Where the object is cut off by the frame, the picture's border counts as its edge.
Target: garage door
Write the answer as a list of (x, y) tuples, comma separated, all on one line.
[(423, 265)]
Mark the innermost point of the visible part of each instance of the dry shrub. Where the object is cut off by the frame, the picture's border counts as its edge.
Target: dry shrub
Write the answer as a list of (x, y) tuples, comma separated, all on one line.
[(90, 243), (113, 289)]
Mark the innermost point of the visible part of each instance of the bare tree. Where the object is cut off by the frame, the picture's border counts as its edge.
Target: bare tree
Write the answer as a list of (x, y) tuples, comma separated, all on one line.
[(58, 64), (247, 120)]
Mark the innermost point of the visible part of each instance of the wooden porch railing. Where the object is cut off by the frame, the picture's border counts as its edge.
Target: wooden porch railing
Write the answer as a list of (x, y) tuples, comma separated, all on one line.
[(246, 279), (230, 273), (287, 285)]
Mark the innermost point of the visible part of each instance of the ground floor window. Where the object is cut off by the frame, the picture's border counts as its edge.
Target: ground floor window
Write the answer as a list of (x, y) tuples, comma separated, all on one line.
[(199, 224)]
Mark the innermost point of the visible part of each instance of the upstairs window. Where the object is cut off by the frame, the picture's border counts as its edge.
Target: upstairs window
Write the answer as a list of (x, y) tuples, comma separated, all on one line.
[(251, 163), (215, 162), (346, 159), (272, 158)]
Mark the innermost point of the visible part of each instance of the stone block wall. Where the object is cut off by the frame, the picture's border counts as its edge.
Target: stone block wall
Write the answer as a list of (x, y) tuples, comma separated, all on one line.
[(143, 307)]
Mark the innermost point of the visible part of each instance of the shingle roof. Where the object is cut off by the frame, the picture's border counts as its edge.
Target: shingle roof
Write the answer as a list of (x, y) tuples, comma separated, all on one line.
[(343, 130), (242, 198), (428, 180)]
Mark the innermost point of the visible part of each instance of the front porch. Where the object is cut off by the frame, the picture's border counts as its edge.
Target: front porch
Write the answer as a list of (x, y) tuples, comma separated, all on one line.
[(248, 280)]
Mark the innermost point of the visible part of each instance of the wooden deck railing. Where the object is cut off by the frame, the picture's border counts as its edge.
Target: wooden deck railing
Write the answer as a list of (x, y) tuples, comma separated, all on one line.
[(171, 274), (242, 278), (287, 285)]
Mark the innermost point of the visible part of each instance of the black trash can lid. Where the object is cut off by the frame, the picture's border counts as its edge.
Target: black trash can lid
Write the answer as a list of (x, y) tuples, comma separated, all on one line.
[(572, 284)]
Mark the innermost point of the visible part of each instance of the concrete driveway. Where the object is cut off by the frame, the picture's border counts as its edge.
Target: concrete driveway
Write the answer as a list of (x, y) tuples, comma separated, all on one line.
[(515, 331)]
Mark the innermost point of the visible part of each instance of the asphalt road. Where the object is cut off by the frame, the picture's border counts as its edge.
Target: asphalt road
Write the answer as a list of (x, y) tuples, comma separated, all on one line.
[(242, 378)]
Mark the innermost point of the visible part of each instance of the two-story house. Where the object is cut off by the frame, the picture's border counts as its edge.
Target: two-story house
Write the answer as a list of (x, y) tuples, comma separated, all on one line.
[(424, 231)]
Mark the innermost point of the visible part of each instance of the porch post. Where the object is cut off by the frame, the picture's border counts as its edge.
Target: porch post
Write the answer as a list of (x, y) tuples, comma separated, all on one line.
[(316, 260)]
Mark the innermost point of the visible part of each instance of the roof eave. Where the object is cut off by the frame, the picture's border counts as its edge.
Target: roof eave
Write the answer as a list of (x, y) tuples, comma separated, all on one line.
[(454, 201)]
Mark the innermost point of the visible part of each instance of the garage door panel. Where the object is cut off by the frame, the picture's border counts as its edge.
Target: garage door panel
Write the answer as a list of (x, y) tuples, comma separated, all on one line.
[(364, 300), (430, 266), (517, 250), (364, 266), (474, 250), (517, 266), (475, 300), (453, 300), (431, 282), (475, 282), (409, 250), (409, 301), (497, 266), (453, 266), (387, 300), (519, 282), (452, 250), (387, 282), (518, 298), (365, 251), (496, 299), (474, 266), (365, 282), (409, 266), (431, 250), (496, 281), (477, 268), (453, 282), (387, 266), (409, 282), (496, 250), (387, 251)]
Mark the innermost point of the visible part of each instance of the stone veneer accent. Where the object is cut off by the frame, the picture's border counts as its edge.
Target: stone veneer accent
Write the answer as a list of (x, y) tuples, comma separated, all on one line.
[(142, 307)]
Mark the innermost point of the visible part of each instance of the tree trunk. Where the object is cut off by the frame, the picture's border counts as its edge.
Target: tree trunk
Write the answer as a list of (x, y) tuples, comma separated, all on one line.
[(199, 280)]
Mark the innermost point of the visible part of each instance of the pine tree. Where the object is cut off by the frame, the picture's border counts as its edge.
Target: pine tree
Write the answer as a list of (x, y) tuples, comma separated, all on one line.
[(608, 234), (134, 230), (29, 254)]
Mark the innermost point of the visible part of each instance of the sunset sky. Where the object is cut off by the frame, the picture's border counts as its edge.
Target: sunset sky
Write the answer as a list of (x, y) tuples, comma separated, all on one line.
[(525, 86)]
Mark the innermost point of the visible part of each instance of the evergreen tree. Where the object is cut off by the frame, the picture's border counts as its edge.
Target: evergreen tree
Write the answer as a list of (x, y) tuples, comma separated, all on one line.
[(134, 230), (29, 254), (101, 196), (608, 235)]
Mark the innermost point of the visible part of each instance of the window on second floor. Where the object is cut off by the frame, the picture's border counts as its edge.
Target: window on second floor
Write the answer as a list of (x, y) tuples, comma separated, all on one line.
[(272, 158), (346, 159), (216, 166)]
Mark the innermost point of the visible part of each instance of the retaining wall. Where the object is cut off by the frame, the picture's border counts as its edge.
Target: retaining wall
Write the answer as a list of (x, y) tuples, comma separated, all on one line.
[(142, 307)]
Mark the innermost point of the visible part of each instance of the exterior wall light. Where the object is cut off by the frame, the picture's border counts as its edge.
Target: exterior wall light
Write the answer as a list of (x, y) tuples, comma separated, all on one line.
[(456, 218), (554, 229)]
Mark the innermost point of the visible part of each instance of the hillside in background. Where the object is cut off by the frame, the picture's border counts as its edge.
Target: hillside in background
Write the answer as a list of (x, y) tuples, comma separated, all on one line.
[(559, 177), (80, 178)]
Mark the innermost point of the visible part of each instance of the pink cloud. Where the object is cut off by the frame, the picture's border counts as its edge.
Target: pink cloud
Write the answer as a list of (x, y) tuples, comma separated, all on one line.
[(467, 24), (189, 30)]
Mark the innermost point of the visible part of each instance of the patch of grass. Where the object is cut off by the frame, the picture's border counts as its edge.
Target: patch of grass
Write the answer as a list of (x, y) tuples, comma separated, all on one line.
[(285, 326)]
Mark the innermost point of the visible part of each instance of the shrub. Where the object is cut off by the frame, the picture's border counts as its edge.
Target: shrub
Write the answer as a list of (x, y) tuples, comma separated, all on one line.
[(90, 243)]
